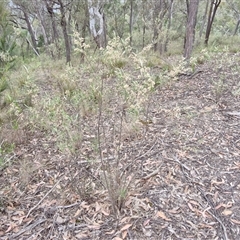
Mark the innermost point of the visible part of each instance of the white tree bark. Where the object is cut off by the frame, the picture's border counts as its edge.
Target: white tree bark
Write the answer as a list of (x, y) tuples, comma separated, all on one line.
[(96, 18)]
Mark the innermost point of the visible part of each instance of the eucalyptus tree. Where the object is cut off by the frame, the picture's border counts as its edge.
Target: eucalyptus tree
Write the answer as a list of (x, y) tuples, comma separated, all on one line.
[(159, 12), (131, 21), (211, 15), (24, 18), (39, 9), (204, 20), (97, 22), (64, 8), (192, 10), (51, 11)]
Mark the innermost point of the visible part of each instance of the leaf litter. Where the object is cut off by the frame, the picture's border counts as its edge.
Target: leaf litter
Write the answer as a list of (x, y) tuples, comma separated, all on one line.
[(186, 182)]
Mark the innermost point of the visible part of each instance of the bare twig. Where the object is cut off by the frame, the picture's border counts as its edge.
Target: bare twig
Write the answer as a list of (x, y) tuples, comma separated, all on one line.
[(69, 206), (44, 197), (221, 223), (214, 215)]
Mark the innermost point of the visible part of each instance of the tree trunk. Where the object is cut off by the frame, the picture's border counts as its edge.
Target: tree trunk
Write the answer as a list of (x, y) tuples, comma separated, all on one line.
[(204, 21), (212, 12), (144, 25), (40, 17), (49, 6), (100, 35), (84, 27), (155, 25), (69, 26), (237, 26), (170, 12), (131, 22), (160, 9), (65, 34), (190, 28), (30, 30)]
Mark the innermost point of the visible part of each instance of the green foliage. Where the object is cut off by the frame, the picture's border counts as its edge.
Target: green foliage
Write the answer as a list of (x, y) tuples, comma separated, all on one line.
[(116, 53), (40, 41), (219, 87), (7, 58), (119, 25), (7, 41)]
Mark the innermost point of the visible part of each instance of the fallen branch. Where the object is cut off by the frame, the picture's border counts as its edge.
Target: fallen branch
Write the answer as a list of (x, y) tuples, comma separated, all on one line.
[(28, 228), (221, 223), (69, 206), (214, 215)]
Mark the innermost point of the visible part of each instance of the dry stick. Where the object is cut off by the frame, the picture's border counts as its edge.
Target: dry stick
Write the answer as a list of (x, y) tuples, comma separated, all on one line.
[(221, 223), (44, 197), (30, 227), (69, 206), (218, 219)]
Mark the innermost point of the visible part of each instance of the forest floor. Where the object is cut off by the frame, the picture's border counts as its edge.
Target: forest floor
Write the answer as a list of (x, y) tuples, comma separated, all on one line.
[(182, 166)]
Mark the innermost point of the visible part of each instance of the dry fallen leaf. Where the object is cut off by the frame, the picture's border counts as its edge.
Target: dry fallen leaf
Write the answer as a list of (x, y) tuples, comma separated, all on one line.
[(60, 220), (202, 225), (77, 213), (81, 236), (128, 202), (127, 226), (11, 227), (147, 233), (125, 219), (95, 226), (146, 222), (235, 221), (124, 234), (227, 212), (110, 233), (97, 207), (191, 207), (194, 202), (175, 210), (105, 212), (163, 216)]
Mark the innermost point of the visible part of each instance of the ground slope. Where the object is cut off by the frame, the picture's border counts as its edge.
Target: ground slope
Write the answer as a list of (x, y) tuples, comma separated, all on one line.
[(186, 163)]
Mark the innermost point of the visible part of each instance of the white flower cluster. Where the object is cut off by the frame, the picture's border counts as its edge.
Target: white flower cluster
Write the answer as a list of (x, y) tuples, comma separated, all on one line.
[(79, 43)]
